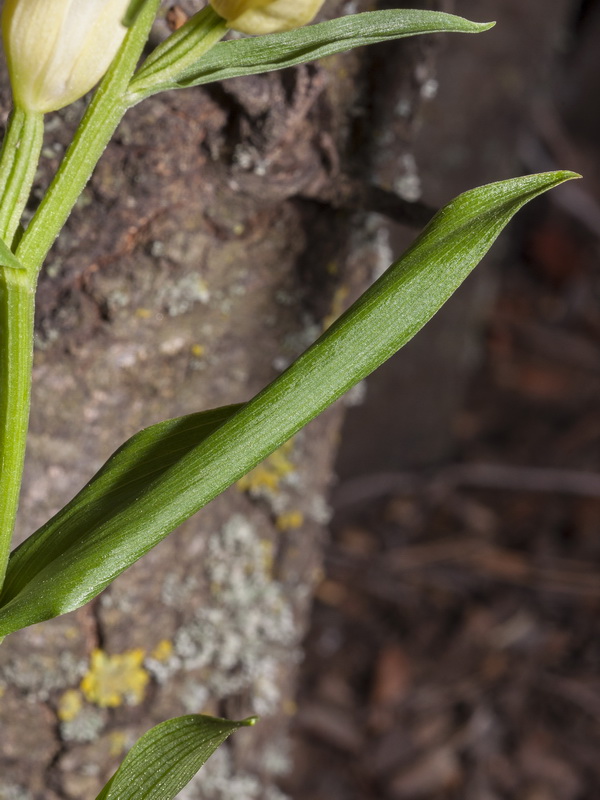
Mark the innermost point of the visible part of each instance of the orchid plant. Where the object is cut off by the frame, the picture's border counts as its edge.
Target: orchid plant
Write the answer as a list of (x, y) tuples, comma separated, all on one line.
[(57, 50)]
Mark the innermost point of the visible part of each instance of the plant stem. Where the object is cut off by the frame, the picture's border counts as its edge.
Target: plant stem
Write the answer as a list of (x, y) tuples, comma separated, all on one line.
[(18, 164), (94, 133), (17, 297), (180, 51), (10, 146)]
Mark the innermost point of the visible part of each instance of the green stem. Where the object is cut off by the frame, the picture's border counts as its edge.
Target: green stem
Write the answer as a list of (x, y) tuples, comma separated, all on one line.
[(18, 164), (94, 133), (177, 53), (10, 146), (17, 297)]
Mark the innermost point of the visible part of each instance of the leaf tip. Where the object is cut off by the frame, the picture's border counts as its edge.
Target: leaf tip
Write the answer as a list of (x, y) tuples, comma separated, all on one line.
[(559, 176), (569, 175), (249, 722)]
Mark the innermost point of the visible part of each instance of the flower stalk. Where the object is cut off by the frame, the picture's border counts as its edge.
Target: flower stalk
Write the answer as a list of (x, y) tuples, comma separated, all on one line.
[(182, 49), (18, 164)]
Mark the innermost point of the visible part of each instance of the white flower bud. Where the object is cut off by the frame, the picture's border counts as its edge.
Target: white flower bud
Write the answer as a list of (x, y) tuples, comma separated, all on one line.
[(266, 16), (57, 50)]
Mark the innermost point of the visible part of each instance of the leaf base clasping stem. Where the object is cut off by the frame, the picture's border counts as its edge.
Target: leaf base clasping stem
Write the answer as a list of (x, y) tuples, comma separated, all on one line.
[(17, 297), (18, 164)]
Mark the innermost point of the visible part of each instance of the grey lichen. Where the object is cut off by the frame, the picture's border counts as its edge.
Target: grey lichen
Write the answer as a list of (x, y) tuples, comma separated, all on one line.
[(319, 510), (194, 696), (297, 341), (408, 184), (40, 675), (277, 758), (219, 781), (162, 669), (177, 298), (240, 641), (85, 727), (14, 792), (370, 244), (176, 592)]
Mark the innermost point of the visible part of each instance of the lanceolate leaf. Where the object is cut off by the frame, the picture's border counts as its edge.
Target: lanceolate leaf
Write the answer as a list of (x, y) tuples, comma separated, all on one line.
[(167, 757), (156, 486), (267, 53)]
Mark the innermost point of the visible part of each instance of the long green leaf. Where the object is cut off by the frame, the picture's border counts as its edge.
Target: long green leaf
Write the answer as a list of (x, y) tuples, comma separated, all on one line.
[(79, 552), (167, 757), (267, 53)]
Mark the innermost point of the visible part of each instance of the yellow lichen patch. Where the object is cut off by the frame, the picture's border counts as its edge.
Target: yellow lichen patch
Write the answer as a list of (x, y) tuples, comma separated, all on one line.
[(69, 705), (270, 473), (112, 680), (117, 743), (143, 313), (163, 651), (337, 306), (290, 521), (261, 477), (198, 350)]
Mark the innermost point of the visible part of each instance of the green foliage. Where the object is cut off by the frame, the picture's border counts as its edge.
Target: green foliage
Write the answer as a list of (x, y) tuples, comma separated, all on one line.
[(166, 473), (168, 756), (276, 51)]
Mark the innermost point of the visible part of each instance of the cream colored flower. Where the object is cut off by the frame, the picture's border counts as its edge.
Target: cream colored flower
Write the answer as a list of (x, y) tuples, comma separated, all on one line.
[(266, 16), (57, 50)]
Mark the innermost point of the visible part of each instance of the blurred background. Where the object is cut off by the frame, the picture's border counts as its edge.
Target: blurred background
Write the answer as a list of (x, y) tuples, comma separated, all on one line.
[(454, 650)]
